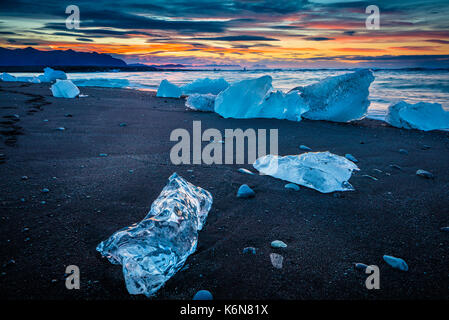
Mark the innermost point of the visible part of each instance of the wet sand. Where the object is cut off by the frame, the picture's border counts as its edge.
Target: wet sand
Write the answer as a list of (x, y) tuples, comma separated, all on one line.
[(90, 197)]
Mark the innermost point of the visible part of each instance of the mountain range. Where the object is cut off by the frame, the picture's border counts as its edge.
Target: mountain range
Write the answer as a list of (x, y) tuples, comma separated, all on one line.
[(33, 57)]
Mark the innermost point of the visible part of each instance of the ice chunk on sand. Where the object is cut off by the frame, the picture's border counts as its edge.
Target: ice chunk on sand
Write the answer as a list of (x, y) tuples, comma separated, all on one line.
[(52, 75), (206, 85), (168, 90), (64, 89), (154, 249), (201, 102), (422, 116), (322, 171), (243, 99), (341, 98), (7, 77), (279, 105)]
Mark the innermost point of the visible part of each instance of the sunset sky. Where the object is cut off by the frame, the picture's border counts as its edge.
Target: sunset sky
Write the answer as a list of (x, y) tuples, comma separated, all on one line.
[(275, 33)]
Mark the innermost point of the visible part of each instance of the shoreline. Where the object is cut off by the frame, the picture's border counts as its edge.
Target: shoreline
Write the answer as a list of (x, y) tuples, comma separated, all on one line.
[(92, 196)]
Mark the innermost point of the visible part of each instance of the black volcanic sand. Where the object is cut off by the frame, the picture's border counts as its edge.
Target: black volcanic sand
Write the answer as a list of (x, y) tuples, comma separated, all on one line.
[(91, 197)]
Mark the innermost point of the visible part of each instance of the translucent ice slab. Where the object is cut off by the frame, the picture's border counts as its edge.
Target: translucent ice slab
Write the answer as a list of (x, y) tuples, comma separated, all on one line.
[(154, 249), (322, 171)]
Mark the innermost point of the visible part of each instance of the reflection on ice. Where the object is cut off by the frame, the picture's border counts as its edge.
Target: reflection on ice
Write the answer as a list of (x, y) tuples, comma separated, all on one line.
[(154, 249)]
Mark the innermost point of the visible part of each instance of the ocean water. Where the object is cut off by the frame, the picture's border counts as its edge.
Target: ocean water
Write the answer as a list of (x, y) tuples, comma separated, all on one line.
[(389, 86)]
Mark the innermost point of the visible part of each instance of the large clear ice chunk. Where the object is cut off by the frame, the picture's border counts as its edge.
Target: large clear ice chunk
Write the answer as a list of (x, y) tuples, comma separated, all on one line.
[(243, 99), (422, 116), (154, 249), (341, 98), (64, 89), (322, 171), (168, 90), (205, 85), (201, 102)]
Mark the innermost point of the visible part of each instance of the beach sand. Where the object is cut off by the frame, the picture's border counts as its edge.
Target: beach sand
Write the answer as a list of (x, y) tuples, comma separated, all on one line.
[(90, 197)]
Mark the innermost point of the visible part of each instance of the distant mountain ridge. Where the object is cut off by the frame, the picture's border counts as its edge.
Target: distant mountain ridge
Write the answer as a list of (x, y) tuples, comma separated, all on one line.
[(33, 57)]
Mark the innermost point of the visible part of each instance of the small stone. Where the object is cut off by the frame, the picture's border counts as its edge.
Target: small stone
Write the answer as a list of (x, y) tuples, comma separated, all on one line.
[(245, 192), (396, 263), (203, 295), (403, 151), (351, 157), (445, 229), (249, 250), (360, 266), (292, 186), (278, 244), (45, 190), (243, 170), (103, 154), (276, 260), (424, 174), (305, 148)]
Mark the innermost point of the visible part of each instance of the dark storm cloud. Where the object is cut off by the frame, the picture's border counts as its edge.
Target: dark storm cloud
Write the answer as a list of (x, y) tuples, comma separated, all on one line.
[(318, 38), (239, 38)]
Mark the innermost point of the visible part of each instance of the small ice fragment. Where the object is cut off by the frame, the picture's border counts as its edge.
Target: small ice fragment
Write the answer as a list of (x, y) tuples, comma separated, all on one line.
[(278, 244), (322, 171), (243, 170), (168, 90), (396, 263), (203, 295), (292, 186), (154, 249), (360, 266), (276, 260), (45, 190), (83, 95), (103, 154), (64, 89), (60, 129), (245, 192), (201, 102), (403, 151), (7, 77), (306, 148), (445, 229), (424, 174), (422, 116), (351, 157), (370, 177), (249, 250), (395, 166)]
